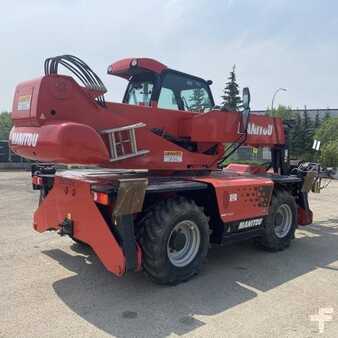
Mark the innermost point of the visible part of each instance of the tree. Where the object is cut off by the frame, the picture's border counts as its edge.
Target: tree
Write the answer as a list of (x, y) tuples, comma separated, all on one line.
[(329, 154), (285, 112), (317, 121), (328, 136), (296, 140), (231, 98), (5, 125), (328, 131), (327, 116), (308, 134), (197, 100)]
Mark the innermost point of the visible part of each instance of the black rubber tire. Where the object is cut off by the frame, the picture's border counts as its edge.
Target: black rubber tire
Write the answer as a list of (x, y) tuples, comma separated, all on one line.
[(270, 241), (156, 228)]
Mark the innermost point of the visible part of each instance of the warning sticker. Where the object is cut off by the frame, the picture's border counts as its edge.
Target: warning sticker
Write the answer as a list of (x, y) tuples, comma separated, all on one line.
[(172, 156), (24, 102)]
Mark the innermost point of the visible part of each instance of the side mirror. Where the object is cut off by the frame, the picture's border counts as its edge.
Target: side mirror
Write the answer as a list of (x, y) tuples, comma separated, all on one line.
[(246, 98), (246, 109)]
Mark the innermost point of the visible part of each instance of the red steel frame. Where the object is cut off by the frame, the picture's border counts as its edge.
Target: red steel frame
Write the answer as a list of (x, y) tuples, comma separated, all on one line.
[(63, 124)]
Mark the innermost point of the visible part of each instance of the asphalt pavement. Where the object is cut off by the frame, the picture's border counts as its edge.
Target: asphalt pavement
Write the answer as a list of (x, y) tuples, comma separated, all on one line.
[(50, 287)]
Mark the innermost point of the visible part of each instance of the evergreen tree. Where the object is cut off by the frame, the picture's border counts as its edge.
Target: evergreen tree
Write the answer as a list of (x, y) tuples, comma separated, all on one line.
[(308, 134), (327, 116), (5, 125), (231, 98), (296, 142), (197, 100), (317, 121)]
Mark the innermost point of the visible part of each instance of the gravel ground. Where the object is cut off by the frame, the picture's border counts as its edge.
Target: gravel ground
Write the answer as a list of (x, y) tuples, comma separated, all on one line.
[(49, 287)]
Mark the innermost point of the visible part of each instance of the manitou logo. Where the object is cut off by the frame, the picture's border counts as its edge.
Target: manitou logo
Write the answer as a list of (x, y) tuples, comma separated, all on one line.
[(254, 129), (24, 139), (250, 223)]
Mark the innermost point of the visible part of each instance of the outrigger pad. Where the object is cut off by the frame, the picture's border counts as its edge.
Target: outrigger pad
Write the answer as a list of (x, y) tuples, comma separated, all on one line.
[(130, 196), (309, 181)]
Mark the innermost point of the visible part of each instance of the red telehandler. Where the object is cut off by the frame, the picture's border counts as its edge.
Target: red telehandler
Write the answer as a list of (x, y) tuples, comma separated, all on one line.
[(158, 194)]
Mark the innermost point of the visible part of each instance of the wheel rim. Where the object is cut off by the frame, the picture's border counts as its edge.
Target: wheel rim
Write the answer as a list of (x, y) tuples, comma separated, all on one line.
[(183, 243), (283, 220)]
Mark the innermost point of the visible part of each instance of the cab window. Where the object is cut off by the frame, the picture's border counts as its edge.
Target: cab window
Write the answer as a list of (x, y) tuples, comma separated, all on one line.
[(184, 92), (167, 99), (140, 89), (196, 100), (139, 92)]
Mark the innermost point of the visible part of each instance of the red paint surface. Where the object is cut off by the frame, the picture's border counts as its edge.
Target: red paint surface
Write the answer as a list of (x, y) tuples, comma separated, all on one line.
[(69, 196), (244, 187), (123, 67), (305, 217), (69, 123)]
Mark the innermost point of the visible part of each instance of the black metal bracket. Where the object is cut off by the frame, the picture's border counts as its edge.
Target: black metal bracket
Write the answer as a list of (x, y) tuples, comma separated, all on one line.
[(125, 226), (67, 228)]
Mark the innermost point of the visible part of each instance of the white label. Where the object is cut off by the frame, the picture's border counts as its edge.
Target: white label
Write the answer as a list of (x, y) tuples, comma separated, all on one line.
[(24, 139), (233, 197), (254, 129), (173, 156), (24, 102), (250, 223), (316, 145)]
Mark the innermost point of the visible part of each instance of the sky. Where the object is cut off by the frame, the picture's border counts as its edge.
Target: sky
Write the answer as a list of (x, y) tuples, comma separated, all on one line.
[(275, 43)]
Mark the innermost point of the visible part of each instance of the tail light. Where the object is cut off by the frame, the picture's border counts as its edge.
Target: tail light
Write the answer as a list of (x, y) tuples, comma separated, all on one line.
[(36, 180), (101, 198)]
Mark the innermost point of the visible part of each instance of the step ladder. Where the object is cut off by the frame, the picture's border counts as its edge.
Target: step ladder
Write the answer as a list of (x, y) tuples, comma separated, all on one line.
[(122, 142)]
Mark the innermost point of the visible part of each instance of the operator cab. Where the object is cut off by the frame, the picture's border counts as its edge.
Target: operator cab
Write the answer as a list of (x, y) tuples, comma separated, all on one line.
[(153, 84)]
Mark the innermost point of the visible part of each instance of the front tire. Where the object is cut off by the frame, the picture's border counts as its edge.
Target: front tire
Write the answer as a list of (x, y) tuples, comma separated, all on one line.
[(174, 240), (280, 224)]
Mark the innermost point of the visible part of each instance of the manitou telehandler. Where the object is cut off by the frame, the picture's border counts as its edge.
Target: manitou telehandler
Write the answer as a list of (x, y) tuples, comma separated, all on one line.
[(158, 193)]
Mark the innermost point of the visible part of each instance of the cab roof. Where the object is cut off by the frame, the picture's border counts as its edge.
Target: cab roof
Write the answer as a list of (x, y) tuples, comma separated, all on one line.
[(125, 68)]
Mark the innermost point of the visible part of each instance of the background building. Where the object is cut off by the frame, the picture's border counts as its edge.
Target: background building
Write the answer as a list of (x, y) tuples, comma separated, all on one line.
[(322, 112)]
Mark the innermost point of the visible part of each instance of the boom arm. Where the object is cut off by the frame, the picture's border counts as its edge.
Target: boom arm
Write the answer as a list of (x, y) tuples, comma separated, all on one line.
[(57, 120)]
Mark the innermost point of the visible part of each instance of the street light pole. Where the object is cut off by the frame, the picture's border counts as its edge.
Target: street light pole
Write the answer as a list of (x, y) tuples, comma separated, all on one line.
[(274, 95)]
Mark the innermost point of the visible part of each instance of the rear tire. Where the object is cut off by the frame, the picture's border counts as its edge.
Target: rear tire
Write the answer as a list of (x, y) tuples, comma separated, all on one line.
[(280, 224), (174, 240)]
